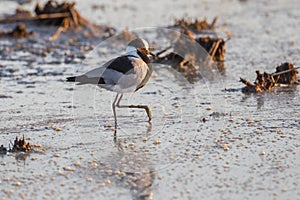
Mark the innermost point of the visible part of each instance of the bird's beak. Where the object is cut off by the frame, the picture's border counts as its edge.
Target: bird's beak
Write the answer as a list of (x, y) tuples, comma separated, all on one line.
[(150, 51), (152, 54)]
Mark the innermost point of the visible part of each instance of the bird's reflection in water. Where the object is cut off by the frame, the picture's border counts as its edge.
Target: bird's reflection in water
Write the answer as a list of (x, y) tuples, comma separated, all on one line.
[(132, 168), (118, 142), (140, 184)]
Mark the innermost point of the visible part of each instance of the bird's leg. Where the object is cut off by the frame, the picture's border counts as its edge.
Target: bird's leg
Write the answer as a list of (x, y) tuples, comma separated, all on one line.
[(115, 114), (147, 108), (118, 103)]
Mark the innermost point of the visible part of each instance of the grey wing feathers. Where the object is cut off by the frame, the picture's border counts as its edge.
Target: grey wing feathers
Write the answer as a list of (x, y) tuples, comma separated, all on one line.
[(109, 73)]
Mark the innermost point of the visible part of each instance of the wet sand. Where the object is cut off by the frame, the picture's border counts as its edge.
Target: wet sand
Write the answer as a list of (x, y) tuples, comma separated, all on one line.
[(247, 148)]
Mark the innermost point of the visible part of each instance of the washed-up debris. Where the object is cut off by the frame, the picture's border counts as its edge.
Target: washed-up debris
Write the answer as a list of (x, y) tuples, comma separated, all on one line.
[(205, 34), (196, 26), (214, 46), (191, 63), (47, 24), (20, 145), (20, 149), (64, 15), (20, 31), (20, 15), (185, 57), (286, 74), (3, 150)]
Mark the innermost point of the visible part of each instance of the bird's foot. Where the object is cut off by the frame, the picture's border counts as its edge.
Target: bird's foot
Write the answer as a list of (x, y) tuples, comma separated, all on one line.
[(147, 109)]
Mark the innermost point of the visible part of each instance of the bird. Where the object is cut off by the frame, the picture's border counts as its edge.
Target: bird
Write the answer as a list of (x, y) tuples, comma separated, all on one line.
[(125, 74)]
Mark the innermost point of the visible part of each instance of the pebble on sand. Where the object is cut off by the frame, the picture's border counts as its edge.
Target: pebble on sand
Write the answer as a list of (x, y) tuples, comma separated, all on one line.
[(156, 142), (56, 128), (77, 164), (37, 145), (68, 168), (56, 155), (16, 183)]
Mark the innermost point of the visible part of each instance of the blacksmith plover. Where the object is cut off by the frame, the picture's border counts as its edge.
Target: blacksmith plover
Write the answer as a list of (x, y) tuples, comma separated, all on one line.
[(124, 74)]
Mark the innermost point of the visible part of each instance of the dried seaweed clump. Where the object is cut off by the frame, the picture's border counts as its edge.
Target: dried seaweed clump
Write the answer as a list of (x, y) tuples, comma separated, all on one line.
[(20, 145), (197, 25), (285, 74), (20, 31), (204, 33), (3, 150), (187, 57), (290, 75), (64, 15), (214, 46)]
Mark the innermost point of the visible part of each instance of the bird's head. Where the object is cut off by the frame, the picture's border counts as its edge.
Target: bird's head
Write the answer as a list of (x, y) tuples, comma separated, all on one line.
[(140, 45)]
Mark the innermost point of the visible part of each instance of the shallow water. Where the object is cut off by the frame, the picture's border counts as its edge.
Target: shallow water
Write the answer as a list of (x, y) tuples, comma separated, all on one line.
[(248, 146)]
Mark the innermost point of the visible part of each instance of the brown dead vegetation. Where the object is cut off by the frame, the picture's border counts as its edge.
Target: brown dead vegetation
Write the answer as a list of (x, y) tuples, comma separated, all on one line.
[(20, 145), (20, 31), (3, 150), (197, 25), (214, 45), (285, 74), (64, 15), (185, 57)]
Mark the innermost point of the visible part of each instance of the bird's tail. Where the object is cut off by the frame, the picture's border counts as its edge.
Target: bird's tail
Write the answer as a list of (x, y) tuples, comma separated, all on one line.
[(71, 79), (83, 79)]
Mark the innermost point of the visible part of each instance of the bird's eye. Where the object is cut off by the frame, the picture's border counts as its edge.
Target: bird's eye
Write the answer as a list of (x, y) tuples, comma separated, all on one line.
[(143, 49)]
